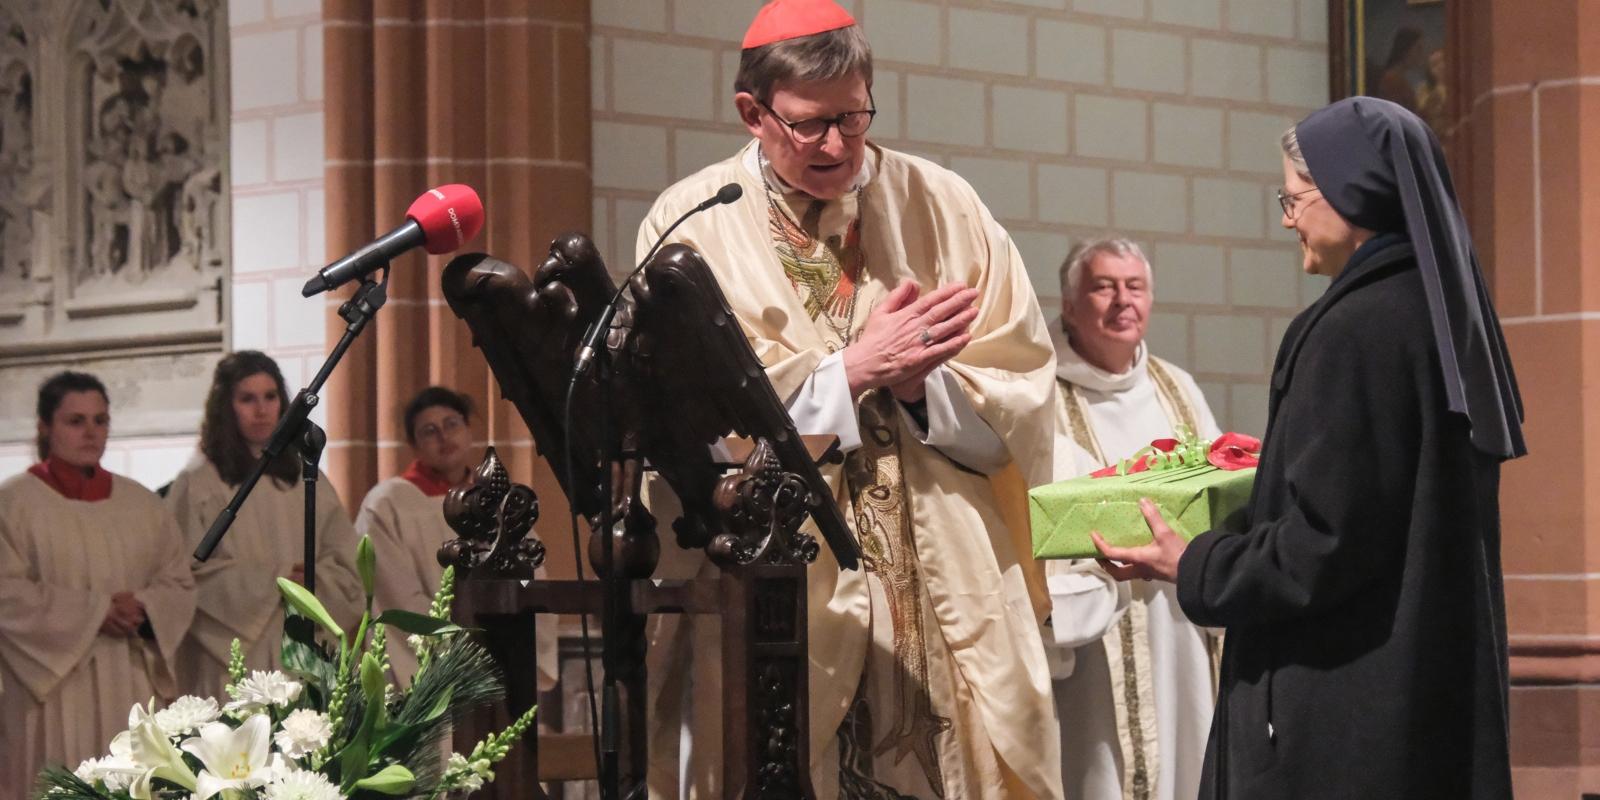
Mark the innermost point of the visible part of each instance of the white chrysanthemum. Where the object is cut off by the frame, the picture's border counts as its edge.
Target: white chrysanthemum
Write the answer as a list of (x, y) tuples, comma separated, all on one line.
[(302, 733), (263, 689), (88, 770), (116, 772), (302, 785), (186, 714)]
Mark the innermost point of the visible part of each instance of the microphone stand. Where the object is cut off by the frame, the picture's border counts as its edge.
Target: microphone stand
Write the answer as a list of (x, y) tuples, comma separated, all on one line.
[(296, 423), (311, 444)]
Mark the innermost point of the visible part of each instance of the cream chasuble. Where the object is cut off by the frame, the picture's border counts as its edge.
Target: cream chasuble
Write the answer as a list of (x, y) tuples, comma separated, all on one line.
[(1136, 706), (928, 674), (67, 689), (238, 584), (407, 527)]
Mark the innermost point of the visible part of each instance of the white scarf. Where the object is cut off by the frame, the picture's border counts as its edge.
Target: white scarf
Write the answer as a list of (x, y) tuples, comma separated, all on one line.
[(1074, 369)]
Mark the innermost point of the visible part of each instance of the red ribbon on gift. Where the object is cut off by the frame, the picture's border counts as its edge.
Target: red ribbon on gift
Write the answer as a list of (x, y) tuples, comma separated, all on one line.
[(1231, 451), (1235, 451)]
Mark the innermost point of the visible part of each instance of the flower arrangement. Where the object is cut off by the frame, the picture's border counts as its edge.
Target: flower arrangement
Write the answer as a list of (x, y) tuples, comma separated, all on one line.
[(328, 726)]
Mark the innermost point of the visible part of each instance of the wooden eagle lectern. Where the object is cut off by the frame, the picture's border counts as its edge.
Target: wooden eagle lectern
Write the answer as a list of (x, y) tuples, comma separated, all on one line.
[(676, 376)]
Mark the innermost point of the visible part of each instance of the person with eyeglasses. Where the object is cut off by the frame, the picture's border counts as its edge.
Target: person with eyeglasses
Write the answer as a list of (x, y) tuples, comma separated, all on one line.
[(892, 310), (1361, 591), (404, 515)]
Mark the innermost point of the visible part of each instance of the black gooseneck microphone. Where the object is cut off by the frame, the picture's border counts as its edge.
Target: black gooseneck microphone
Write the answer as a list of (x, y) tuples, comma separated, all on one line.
[(607, 725), (594, 338)]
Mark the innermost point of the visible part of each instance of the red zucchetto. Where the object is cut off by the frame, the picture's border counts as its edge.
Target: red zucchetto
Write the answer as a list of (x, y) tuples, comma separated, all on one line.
[(792, 19)]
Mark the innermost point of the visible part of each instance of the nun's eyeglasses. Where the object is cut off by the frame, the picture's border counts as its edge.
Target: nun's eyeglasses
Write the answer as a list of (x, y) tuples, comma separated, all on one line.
[(1287, 201), (807, 131)]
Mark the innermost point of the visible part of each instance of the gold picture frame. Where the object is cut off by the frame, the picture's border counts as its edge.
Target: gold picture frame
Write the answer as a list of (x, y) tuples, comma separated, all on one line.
[(1393, 49)]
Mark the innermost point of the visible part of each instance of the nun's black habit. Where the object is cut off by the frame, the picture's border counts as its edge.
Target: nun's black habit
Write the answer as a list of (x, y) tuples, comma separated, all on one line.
[(1366, 645)]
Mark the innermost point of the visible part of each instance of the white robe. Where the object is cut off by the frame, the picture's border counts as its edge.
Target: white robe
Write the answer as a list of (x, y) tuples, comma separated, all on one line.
[(67, 688), (238, 584), (1124, 413), (407, 527), (979, 601)]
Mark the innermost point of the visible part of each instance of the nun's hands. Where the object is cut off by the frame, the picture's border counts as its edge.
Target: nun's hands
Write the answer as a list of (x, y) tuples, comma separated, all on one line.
[(1158, 560), (908, 336)]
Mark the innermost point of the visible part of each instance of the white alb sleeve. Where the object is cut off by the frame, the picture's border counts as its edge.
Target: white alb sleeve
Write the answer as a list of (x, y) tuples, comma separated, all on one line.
[(954, 427), (823, 404)]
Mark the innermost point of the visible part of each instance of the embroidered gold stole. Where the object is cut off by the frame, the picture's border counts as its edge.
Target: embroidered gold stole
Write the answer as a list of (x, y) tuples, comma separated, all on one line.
[(827, 273)]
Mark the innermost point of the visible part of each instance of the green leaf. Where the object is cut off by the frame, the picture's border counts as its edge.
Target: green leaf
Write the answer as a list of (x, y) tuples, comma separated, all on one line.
[(372, 681), (406, 733), (366, 564), (354, 760), (420, 624), (309, 662), (440, 705), (307, 603), (393, 779)]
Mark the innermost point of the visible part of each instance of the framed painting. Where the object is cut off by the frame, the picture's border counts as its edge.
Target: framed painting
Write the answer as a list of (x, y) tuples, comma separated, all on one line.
[(1393, 49)]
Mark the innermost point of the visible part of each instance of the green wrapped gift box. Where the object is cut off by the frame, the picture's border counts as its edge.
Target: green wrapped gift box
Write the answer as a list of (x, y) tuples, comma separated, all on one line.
[(1193, 500)]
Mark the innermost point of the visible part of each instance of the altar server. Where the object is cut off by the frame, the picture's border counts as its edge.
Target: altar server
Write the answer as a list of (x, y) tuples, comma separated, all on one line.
[(239, 596), (95, 593), (404, 515)]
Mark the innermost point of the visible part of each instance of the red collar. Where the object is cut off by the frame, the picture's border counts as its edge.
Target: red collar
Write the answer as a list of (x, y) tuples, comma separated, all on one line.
[(431, 483), (72, 482)]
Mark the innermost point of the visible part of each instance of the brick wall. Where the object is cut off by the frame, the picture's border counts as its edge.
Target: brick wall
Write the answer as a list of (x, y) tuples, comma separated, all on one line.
[(277, 182), (1156, 119)]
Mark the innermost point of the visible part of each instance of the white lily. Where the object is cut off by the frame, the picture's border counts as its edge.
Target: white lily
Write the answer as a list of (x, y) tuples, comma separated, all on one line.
[(148, 747), (234, 758)]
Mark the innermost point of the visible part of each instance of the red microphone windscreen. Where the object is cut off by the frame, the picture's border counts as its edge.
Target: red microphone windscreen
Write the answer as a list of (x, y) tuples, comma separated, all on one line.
[(450, 216)]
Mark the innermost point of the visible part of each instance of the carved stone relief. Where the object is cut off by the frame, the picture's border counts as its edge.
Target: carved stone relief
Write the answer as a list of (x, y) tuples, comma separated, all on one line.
[(23, 189), (113, 229), (114, 226)]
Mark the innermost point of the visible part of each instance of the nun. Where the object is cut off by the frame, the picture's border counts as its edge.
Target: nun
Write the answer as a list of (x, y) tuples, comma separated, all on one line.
[(1361, 589)]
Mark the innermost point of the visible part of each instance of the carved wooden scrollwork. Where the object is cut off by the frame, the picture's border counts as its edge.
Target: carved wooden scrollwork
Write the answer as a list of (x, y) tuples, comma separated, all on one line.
[(763, 507), (493, 519), (776, 751)]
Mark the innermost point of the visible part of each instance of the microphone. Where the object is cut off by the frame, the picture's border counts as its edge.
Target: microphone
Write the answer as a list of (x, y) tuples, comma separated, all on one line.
[(727, 194), (596, 334), (441, 220)]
